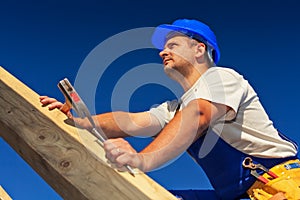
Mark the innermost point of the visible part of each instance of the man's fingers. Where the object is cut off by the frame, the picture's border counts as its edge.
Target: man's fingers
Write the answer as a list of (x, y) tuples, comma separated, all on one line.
[(113, 154), (113, 165), (52, 103), (123, 159), (55, 105), (120, 153), (118, 158), (42, 97), (47, 100), (118, 143)]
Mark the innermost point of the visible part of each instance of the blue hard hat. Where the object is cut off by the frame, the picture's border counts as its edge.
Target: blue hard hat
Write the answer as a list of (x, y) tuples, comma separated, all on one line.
[(192, 28)]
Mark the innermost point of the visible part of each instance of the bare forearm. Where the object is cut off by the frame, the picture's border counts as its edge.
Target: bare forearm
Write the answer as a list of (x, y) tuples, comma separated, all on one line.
[(176, 137), (111, 125), (114, 124), (123, 124)]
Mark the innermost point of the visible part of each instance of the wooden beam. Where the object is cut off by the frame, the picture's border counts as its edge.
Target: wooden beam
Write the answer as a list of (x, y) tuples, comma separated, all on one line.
[(67, 158), (4, 195)]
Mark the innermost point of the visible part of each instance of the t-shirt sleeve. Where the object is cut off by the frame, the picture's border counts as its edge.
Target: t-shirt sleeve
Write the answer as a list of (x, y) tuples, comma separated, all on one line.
[(222, 87), (165, 111)]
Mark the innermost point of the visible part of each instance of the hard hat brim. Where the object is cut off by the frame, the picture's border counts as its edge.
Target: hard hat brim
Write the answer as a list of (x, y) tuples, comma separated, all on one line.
[(160, 33)]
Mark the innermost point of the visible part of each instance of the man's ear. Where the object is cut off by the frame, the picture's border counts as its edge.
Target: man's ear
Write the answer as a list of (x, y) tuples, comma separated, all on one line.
[(200, 49)]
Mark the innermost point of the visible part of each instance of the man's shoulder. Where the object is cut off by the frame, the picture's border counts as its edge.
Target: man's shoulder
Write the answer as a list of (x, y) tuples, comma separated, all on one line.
[(222, 69), (222, 72)]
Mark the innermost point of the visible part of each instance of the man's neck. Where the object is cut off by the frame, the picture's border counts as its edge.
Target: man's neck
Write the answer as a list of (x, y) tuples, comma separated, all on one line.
[(187, 82)]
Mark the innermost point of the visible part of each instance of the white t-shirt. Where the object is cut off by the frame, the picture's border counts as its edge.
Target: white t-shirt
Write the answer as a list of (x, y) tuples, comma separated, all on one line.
[(246, 127)]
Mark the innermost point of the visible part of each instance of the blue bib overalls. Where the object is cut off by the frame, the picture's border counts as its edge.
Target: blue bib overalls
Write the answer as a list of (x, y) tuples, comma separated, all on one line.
[(223, 166)]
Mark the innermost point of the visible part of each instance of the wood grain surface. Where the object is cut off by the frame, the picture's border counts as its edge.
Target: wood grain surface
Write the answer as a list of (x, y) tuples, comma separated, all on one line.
[(66, 157)]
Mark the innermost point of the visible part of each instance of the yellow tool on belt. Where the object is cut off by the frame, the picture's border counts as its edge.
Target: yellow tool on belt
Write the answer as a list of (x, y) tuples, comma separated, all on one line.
[(278, 183)]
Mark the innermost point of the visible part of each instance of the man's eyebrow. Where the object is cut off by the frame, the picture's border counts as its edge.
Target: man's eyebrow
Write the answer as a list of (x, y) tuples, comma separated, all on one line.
[(172, 42), (169, 44)]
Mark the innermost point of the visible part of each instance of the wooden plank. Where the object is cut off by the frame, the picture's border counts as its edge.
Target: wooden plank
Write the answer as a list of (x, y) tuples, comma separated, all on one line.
[(67, 158), (4, 195)]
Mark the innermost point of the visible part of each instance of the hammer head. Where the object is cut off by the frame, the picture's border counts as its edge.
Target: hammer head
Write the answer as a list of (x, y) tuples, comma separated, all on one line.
[(72, 99)]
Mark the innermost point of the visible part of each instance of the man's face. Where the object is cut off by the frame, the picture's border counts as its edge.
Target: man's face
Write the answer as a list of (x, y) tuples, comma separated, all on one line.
[(178, 55)]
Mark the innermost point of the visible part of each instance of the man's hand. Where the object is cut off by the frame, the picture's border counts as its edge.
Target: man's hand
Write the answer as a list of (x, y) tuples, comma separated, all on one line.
[(52, 104), (120, 153)]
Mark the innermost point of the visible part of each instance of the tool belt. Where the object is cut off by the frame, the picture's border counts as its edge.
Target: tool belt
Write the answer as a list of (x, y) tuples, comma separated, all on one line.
[(278, 183)]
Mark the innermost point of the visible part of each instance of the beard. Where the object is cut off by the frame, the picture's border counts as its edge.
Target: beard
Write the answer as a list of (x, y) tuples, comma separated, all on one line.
[(176, 72)]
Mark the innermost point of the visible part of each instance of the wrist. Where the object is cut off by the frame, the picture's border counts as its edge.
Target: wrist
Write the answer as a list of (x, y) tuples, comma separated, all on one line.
[(82, 123), (147, 162)]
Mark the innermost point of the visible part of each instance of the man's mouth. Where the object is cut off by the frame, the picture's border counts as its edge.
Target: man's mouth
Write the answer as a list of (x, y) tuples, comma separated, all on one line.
[(166, 61)]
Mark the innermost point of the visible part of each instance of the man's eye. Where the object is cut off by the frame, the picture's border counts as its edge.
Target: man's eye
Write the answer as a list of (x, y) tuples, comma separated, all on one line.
[(172, 45)]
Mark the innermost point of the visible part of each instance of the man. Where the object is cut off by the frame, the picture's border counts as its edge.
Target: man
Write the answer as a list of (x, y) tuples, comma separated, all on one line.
[(219, 119)]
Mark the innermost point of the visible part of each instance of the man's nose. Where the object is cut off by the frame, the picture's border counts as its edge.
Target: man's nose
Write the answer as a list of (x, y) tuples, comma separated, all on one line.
[(163, 53)]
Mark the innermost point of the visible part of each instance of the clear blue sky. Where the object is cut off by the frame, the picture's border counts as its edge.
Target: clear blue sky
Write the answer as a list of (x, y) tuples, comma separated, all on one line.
[(43, 42)]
